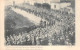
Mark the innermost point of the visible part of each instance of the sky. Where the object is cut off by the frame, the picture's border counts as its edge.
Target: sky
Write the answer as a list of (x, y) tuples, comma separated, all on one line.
[(9, 2)]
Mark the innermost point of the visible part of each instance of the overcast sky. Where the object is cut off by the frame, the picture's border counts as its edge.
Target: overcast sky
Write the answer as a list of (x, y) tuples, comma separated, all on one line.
[(9, 2)]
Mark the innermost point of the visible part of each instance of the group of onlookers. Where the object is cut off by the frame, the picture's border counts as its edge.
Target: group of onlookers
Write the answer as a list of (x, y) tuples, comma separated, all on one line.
[(42, 36), (59, 31)]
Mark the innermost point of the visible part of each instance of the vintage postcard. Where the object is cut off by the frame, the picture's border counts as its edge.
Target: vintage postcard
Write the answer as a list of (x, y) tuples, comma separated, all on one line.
[(38, 24)]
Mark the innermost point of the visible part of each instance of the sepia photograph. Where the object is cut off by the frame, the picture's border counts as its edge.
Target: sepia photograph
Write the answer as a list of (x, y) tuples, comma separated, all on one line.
[(39, 22)]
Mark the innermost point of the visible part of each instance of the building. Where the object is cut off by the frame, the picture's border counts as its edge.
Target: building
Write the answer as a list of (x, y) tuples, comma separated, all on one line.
[(59, 4), (54, 4)]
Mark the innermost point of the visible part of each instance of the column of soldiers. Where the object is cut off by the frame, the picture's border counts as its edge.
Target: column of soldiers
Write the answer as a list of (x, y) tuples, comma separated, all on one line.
[(55, 32)]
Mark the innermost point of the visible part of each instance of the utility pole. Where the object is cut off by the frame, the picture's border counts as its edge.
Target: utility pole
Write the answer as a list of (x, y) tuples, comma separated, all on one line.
[(13, 3)]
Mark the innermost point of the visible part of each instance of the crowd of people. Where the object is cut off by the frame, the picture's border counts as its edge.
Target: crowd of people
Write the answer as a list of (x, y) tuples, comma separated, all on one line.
[(50, 15), (59, 31), (42, 36)]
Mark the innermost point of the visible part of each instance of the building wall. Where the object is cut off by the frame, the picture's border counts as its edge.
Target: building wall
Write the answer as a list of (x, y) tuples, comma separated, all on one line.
[(63, 5), (55, 6), (59, 5)]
